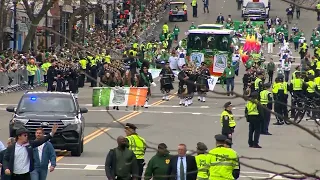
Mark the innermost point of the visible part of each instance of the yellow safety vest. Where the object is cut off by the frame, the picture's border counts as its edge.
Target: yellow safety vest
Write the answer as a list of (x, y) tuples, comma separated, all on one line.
[(311, 86), (194, 3), (252, 108), (311, 72), (317, 81), (138, 145), (285, 87), (304, 47), (107, 59), (202, 167), (222, 161), (264, 97), (318, 7), (232, 123), (83, 63), (31, 69), (318, 65), (93, 62), (149, 46), (256, 84), (297, 84), (135, 45)]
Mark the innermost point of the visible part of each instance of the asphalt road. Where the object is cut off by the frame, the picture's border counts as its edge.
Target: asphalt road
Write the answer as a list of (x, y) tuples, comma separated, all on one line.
[(167, 122)]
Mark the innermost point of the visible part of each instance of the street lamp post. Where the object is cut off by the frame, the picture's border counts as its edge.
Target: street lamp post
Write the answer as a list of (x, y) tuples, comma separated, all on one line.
[(15, 25), (32, 40), (107, 20)]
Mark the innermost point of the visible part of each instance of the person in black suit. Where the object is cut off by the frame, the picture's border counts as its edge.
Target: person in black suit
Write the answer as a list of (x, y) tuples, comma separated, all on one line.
[(15, 163), (182, 166), (9, 143)]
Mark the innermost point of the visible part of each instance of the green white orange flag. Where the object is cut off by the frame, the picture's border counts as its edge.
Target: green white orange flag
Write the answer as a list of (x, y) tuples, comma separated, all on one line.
[(122, 96)]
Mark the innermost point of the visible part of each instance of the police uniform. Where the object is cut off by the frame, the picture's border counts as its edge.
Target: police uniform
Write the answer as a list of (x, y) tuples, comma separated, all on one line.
[(203, 171), (227, 121), (138, 145), (223, 162), (202, 81), (266, 101), (280, 95), (254, 117)]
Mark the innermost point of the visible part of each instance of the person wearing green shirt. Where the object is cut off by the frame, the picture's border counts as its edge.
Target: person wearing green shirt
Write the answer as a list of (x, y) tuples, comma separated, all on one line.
[(296, 38), (286, 34), (316, 41), (158, 165), (270, 41), (229, 74), (192, 26), (176, 32), (162, 37)]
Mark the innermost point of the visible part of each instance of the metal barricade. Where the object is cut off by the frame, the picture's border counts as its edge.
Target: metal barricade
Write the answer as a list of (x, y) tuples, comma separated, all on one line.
[(18, 80)]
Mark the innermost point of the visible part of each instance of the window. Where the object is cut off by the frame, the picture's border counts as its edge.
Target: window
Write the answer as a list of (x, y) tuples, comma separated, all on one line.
[(10, 19), (221, 42), (46, 104), (255, 5), (50, 22)]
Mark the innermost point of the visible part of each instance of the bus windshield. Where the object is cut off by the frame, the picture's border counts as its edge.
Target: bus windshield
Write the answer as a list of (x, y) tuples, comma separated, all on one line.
[(220, 42)]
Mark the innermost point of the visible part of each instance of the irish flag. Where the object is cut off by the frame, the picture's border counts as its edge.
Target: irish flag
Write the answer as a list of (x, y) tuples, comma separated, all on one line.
[(122, 96)]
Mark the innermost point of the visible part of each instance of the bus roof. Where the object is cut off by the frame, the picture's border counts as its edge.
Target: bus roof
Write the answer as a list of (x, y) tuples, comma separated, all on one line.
[(211, 25), (210, 31)]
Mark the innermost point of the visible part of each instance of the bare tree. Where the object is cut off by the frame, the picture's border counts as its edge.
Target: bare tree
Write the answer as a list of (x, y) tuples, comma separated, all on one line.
[(85, 9), (35, 18), (3, 19), (303, 4)]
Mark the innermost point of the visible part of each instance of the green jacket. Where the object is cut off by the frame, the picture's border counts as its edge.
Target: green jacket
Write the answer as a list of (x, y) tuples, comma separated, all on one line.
[(157, 167)]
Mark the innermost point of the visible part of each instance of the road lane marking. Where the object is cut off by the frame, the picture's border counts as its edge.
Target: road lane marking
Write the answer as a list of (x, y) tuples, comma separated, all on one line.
[(96, 167), (101, 131), (95, 132), (91, 167)]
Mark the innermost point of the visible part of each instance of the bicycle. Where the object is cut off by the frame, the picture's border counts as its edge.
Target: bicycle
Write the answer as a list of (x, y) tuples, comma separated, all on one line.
[(301, 106)]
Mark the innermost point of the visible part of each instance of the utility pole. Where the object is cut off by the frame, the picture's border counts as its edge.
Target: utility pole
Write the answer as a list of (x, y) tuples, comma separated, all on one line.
[(15, 25), (114, 18), (107, 20)]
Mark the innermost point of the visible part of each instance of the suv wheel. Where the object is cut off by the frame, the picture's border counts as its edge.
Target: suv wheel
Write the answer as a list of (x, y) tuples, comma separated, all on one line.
[(78, 150)]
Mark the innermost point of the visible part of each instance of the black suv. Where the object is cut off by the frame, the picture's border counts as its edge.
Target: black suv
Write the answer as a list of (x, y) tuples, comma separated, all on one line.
[(43, 109)]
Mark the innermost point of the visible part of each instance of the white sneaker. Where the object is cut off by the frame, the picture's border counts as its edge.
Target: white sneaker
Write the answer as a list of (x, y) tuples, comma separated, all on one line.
[(146, 104), (181, 102), (167, 98), (164, 98), (203, 99), (199, 98)]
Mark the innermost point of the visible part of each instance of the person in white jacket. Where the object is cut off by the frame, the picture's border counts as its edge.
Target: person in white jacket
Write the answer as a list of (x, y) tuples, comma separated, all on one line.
[(286, 66)]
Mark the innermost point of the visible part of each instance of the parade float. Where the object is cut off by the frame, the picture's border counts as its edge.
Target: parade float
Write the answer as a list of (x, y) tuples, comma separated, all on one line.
[(250, 52), (211, 46)]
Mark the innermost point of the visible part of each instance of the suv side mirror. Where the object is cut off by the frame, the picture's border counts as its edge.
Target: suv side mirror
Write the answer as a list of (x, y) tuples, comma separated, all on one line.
[(83, 110), (11, 109)]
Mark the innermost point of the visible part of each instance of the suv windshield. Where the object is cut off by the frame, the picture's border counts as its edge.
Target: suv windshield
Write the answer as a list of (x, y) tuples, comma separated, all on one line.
[(46, 104), (255, 5)]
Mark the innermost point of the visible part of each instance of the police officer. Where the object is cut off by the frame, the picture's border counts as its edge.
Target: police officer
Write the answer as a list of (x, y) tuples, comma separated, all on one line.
[(254, 115), (258, 84), (223, 162), (137, 144), (295, 88), (228, 143), (194, 5), (266, 101), (203, 172), (280, 95), (227, 120)]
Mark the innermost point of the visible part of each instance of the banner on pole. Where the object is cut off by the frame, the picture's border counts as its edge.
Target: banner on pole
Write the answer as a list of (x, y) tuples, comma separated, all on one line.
[(121, 96)]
